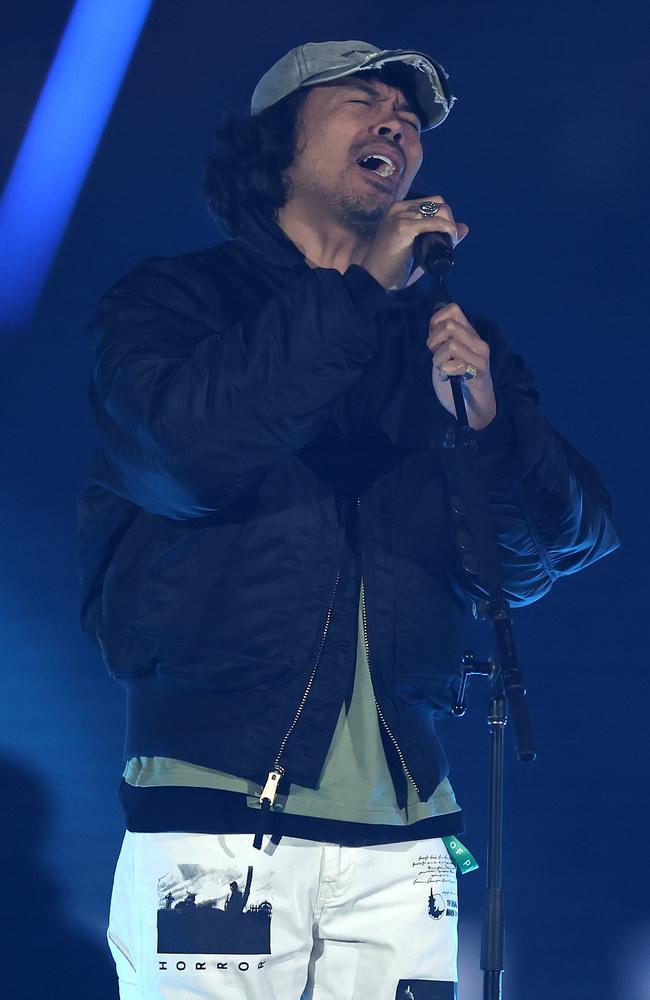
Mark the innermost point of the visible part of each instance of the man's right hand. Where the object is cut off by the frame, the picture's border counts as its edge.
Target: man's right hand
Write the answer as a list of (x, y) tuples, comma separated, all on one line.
[(390, 257)]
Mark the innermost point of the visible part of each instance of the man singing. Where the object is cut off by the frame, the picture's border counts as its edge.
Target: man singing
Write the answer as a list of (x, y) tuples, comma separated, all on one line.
[(270, 562)]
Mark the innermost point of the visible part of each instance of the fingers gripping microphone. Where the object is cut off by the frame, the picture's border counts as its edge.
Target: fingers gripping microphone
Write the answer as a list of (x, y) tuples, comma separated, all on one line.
[(433, 252)]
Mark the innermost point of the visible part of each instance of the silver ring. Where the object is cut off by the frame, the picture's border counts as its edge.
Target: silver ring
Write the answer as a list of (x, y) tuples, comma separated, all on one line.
[(470, 372), (428, 209)]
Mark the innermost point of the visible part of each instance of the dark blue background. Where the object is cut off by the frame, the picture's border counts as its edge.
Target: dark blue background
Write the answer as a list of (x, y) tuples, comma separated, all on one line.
[(545, 157)]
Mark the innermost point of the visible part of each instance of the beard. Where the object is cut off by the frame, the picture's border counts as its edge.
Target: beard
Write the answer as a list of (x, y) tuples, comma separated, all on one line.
[(361, 214)]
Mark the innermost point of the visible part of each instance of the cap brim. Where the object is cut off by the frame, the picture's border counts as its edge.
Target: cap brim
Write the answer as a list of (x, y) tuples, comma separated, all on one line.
[(429, 78)]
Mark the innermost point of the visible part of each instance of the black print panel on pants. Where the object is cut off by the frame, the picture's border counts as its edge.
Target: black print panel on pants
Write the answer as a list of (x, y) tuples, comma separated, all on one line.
[(425, 989), (191, 925)]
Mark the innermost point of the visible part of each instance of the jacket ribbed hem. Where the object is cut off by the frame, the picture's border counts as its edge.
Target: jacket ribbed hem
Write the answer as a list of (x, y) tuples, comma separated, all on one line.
[(173, 808)]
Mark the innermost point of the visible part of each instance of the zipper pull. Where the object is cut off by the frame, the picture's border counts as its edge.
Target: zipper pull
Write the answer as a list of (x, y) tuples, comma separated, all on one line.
[(270, 789), (267, 798)]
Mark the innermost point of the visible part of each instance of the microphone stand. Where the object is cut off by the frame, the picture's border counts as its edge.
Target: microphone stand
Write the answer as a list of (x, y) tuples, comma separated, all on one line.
[(478, 542), (476, 536)]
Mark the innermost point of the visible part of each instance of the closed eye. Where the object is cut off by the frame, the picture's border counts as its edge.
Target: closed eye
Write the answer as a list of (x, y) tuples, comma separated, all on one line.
[(357, 100)]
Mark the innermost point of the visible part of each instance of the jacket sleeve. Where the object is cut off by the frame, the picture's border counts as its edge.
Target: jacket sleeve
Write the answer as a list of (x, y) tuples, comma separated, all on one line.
[(550, 509), (192, 410)]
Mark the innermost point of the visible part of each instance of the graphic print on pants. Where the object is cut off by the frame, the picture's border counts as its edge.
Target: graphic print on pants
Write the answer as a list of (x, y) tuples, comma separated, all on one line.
[(425, 989), (205, 912)]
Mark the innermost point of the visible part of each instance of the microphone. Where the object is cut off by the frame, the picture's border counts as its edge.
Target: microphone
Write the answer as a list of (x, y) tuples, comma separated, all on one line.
[(434, 252)]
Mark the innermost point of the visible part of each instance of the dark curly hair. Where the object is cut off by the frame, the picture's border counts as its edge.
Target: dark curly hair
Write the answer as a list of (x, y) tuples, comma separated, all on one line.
[(252, 153)]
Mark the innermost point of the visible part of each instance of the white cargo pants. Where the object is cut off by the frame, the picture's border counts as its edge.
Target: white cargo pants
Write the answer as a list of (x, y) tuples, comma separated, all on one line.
[(208, 917)]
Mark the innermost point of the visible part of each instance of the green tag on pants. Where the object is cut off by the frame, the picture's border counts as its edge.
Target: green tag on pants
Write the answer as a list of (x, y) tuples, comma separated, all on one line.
[(462, 858)]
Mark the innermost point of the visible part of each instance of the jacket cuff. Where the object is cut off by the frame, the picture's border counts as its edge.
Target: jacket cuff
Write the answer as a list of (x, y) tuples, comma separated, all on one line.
[(368, 295), (497, 446), (498, 436)]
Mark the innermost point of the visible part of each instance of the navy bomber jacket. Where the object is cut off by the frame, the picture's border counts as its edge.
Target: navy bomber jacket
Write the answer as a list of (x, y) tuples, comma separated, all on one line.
[(270, 436)]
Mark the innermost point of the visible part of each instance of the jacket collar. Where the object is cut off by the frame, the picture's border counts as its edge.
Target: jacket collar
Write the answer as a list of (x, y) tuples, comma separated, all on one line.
[(266, 239)]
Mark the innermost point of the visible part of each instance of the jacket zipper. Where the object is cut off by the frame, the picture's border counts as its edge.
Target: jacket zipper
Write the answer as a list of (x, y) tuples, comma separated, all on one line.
[(270, 790), (379, 711)]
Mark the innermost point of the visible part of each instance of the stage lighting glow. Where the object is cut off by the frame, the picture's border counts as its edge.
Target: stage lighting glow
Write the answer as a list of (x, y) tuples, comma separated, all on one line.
[(59, 145)]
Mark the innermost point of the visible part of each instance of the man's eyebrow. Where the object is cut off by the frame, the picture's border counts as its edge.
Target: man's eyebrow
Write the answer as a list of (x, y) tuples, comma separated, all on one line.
[(369, 89)]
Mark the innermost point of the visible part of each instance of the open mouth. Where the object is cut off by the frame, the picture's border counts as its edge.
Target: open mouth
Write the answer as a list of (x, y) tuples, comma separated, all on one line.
[(378, 164)]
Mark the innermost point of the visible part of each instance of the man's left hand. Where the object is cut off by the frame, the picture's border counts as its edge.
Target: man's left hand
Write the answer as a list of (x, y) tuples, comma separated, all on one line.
[(455, 344)]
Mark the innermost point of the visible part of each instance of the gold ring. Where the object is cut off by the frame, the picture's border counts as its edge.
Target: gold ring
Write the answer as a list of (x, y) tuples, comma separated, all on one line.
[(470, 372)]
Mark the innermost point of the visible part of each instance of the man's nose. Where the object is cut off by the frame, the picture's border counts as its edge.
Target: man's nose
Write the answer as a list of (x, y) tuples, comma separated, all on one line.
[(393, 131)]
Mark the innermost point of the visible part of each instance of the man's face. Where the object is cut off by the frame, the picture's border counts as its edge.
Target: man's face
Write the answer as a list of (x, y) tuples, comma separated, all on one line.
[(342, 122)]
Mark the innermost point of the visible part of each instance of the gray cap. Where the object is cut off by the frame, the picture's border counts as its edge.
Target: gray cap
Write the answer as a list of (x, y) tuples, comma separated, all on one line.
[(318, 62)]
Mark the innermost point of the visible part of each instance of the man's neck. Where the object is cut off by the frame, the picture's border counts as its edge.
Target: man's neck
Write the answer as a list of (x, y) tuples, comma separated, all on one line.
[(327, 245)]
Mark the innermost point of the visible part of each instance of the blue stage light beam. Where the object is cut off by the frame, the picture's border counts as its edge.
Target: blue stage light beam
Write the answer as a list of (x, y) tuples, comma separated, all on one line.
[(59, 145)]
